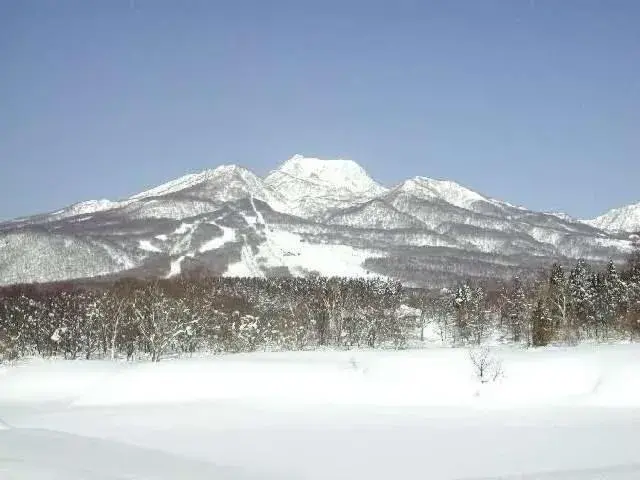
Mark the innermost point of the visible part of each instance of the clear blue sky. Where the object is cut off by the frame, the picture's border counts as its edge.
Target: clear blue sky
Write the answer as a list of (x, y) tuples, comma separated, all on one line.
[(536, 102)]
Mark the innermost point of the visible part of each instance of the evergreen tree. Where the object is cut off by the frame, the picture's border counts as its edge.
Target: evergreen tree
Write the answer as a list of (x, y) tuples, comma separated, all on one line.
[(581, 290), (632, 276), (617, 287), (611, 299)]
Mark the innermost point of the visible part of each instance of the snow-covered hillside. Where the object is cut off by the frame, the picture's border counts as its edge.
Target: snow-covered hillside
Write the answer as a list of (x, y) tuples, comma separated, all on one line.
[(623, 219), (553, 414), (308, 215), (222, 184), (447, 191)]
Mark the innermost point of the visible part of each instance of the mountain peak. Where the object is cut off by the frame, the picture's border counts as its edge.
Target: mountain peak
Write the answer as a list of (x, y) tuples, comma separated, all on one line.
[(301, 163), (334, 214), (226, 169), (191, 180), (341, 174), (622, 219), (446, 190)]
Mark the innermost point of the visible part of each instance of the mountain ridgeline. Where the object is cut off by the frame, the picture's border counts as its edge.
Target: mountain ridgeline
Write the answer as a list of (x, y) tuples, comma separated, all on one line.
[(309, 216)]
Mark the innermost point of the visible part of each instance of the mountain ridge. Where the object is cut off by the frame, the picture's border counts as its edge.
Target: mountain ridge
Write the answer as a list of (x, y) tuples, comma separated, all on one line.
[(307, 215), (626, 218), (620, 219)]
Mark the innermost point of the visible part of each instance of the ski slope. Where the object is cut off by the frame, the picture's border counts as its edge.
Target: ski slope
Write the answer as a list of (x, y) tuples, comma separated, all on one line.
[(555, 414)]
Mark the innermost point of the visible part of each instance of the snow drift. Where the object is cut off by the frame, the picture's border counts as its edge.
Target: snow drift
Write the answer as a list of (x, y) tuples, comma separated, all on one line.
[(605, 376), (554, 414)]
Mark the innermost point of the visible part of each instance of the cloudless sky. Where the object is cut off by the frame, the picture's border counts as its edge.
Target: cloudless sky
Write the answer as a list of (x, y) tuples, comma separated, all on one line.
[(536, 102)]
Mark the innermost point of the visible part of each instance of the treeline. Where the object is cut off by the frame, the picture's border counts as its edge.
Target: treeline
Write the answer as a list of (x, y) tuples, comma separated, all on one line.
[(556, 306), (135, 318), (198, 313)]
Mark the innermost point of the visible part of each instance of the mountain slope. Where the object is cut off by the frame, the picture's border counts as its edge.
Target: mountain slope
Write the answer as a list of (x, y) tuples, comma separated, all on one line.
[(623, 219), (187, 196), (375, 213), (447, 191), (308, 215), (38, 256), (222, 184)]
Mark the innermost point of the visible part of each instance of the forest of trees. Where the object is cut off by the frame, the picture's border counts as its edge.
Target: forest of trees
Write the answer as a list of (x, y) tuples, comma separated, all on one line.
[(152, 319)]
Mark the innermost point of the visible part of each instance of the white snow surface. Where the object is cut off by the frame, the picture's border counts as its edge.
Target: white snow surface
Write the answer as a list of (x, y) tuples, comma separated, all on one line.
[(312, 186), (448, 191), (282, 248), (184, 228), (562, 216), (246, 267), (222, 184), (181, 183), (90, 206), (148, 246), (339, 174), (555, 414), (228, 235), (623, 219), (175, 266), (85, 208)]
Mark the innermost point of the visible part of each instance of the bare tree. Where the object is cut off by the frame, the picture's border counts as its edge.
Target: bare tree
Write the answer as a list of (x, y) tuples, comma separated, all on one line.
[(161, 319), (486, 366)]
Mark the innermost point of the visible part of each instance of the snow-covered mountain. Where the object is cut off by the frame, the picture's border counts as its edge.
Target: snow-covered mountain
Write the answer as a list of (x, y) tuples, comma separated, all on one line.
[(308, 215), (222, 184), (313, 186), (90, 206), (447, 191), (623, 219)]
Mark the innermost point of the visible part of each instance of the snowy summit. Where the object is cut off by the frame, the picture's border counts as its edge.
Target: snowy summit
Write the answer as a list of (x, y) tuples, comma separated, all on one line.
[(340, 174), (623, 219), (445, 190), (234, 222)]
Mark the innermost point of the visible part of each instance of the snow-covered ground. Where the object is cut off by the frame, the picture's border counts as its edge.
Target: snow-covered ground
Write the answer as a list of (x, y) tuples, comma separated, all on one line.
[(557, 413)]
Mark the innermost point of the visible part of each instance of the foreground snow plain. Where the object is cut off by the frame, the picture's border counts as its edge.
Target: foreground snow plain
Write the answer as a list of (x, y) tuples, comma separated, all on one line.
[(556, 414)]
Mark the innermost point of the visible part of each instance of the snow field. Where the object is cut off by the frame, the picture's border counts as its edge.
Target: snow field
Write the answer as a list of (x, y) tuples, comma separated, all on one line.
[(586, 376), (148, 246), (555, 414)]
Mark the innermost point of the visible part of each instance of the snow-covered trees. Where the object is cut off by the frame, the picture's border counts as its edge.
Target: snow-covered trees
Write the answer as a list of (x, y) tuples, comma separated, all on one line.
[(153, 318), (515, 310), (583, 295), (12, 318), (541, 325), (633, 282), (559, 299), (610, 300), (469, 304), (160, 319)]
